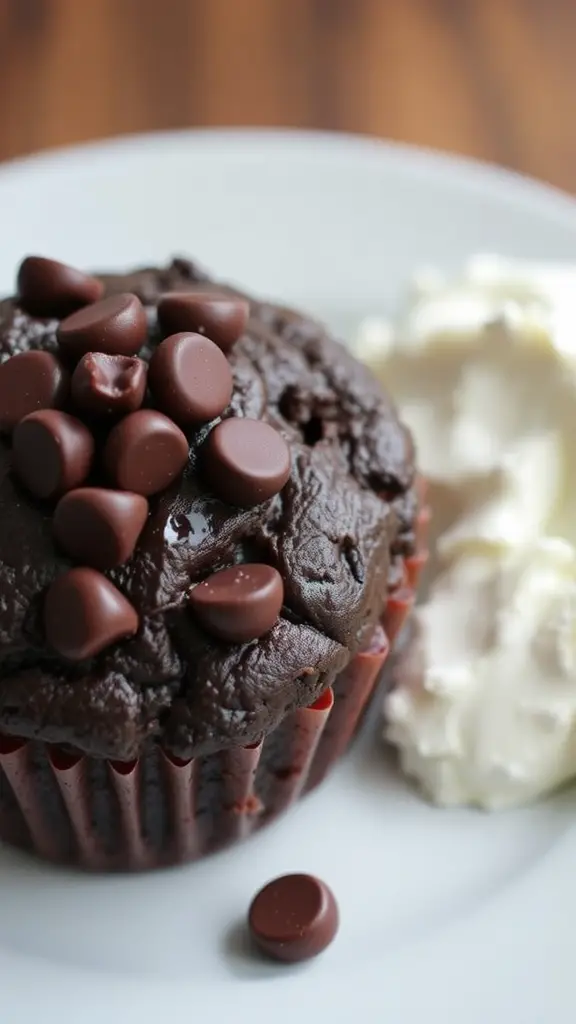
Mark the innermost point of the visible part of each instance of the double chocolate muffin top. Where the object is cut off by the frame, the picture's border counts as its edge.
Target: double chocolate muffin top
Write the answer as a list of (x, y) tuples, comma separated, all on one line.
[(204, 502)]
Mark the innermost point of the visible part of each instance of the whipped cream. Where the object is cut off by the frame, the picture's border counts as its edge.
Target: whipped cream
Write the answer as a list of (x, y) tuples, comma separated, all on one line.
[(483, 368), (485, 708)]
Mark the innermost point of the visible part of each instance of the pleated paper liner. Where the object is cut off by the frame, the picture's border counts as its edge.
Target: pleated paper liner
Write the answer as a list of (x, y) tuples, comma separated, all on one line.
[(131, 816)]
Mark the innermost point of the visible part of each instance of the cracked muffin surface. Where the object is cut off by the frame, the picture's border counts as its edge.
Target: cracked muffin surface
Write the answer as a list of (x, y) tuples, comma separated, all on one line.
[(337, 533)]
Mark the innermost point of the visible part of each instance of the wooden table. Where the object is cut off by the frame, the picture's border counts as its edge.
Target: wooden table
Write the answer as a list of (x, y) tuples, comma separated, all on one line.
[(494, 79)]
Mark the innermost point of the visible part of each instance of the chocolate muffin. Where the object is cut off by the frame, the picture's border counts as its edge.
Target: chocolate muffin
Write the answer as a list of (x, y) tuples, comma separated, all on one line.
[(207, 542)]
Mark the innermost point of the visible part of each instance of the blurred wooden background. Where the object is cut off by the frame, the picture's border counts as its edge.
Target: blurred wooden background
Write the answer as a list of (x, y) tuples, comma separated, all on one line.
[(494, 79)]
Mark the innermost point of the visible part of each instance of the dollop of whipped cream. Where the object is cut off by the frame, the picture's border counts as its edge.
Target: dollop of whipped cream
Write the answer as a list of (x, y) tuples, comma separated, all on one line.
[(483, 368)]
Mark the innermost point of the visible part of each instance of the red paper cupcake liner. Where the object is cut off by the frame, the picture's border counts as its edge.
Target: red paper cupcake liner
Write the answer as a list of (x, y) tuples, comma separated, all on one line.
[(157, 810)]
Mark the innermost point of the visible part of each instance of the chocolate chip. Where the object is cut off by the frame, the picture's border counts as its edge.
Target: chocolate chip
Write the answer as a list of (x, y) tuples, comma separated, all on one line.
[(190, 378), (30, 381), (246, 461), (52, 452), (106, 385), (47, 288), (99, 527), (116, 325), (222, 318), (293, 918), (241, 603), (145, 452), (84, 613)]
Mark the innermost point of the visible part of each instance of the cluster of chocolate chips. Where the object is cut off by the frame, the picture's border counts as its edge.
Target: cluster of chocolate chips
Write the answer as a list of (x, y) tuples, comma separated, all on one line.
[(98, 409)]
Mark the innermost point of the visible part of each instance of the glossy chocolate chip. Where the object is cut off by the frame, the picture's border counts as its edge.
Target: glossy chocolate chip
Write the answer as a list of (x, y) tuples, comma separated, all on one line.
[(190, 378), (241, 603), (84, 613), (145, 452), (293, 918), (52, 452), (99, 527), (246, 461), (48, 288), (104, 385), (28, 382), (222, 318), (116, 325)]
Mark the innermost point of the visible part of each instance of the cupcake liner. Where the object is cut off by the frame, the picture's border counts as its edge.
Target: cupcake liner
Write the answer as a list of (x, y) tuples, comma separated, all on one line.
[(352, 691), (157, 810)]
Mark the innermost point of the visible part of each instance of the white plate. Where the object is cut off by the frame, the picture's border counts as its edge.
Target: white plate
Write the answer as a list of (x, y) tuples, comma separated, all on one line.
[(446, 916)]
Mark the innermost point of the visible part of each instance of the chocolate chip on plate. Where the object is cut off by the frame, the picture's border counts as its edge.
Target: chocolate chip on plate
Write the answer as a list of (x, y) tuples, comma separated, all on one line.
[(48, 288), (30, 381), (246, 461), (106, 385), (222, 318), (84, 613), (293, 918), (52, 452), (116, 325), (240, 603), (145, 452), (99, 527), (190, 378)]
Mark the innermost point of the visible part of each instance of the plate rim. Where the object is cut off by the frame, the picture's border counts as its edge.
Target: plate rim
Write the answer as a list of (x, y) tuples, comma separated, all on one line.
[(467, 172)]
